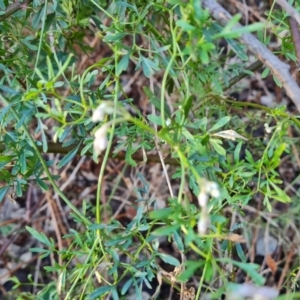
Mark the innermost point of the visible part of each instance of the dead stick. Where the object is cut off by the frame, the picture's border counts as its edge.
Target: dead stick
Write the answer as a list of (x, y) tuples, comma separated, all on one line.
[(59, 149), (277, 67), (289, 9), (13, 8)]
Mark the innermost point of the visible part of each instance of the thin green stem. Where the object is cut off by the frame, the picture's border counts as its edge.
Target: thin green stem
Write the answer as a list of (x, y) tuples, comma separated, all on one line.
[(41, 38), (182, 181), (261, 107), (106, 156), (166, 74)]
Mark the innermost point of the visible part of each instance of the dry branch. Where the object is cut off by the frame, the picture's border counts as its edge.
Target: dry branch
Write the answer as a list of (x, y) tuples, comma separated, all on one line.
[(289, 9), (13, 8), (58, 148), (276, 66)]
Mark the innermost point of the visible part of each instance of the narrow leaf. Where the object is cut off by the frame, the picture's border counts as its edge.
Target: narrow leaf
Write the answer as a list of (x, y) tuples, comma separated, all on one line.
[(39, 236), (169, 259), (100, 291), (3, 192), (220, 123), (68, 157)]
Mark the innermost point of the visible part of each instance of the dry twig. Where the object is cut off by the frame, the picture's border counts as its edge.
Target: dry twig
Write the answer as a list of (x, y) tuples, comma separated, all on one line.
[(277, 67), (13, 8), (289, 9)]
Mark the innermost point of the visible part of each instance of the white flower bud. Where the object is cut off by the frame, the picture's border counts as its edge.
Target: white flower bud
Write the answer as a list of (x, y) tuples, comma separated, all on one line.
[(103, 109), (212, 188), (267, 128), (168, 122), (215, 193), (203, 224), (202, 199), (101, 141)]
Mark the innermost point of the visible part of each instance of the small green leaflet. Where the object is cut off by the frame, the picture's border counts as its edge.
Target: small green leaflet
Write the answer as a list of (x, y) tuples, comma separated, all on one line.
[(68, 157), (169, 259), (216, 144), (123, 64), (39, 236), (3, 192), (220, 123), (149, 67), (100, 291)]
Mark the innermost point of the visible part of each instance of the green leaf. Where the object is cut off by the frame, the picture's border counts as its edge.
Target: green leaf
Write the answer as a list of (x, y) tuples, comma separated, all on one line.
[(5, 159), (126, 286), (267, 203), (114, 294), (24, 115), (86, 148), (69, 156), (277, 81), (265, 73), (2, 5), (187, 106), (220, 123), (23, 163), (155, 119), (9, 90), (184, 25), (5, 110), (237, 152), (100, 291), (279, 194), (275, 161), (148, 66), (42, 184), (114, 37), (128, 155), (161, 214), (249, 268), (200, 124), (240, 252), (26, 42), (166, 230), (18, 188), (3, 191), (169, 259), (209, 271), (123, 64), (248, 174), (236, 47), (39, 236), (124, 4), (191, 267), (37, 16), (249, 157), (187, 134), (178, 241), (216, 145), (39, 250), (230, 32), (156, 102)]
